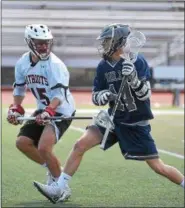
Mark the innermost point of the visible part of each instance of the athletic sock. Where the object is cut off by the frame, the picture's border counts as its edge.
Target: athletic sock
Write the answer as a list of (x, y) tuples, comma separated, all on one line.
[(182, 184), (56, 179), (44, 165), (63, 180)]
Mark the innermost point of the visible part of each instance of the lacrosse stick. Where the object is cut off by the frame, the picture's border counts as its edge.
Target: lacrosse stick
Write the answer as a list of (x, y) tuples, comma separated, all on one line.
[(135, 41), (54, 118)]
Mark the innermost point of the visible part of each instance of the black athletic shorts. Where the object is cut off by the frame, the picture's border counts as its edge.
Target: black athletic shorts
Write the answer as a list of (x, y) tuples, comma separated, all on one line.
[(33, 131)]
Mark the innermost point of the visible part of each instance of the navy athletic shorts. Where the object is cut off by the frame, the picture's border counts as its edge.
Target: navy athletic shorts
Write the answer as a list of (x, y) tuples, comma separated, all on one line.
[(135, 142)]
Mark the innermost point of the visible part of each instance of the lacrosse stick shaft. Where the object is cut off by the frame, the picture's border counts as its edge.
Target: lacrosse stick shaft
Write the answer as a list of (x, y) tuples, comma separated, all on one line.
[(113, 112), (135, 41), (54, 118), (118, 98)]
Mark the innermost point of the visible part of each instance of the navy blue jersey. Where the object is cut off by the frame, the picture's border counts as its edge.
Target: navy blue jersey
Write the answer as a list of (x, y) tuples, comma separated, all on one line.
[(130, 109)]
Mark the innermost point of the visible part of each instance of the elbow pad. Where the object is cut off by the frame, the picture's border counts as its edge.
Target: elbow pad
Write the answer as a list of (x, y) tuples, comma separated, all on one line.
[(19, 89), (59, 91), (143, 91), (59, 94)]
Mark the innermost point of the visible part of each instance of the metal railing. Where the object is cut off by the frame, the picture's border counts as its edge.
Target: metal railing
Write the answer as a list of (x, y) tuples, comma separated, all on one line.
[(169, 50)]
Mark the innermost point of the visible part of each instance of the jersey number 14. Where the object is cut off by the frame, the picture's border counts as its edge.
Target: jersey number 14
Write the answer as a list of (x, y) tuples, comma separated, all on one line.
[(126, 100)]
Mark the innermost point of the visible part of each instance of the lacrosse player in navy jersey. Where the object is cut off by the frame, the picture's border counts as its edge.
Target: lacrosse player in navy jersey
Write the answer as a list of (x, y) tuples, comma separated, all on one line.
[(130, 127), (47, 78)]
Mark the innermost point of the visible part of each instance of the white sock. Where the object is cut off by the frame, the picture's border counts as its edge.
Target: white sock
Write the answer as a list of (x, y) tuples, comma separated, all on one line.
[(182, 184), (63, 180), (56, 179), (44, 165)]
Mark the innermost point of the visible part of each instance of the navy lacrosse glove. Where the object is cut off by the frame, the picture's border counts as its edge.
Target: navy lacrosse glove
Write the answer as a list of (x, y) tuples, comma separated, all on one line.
[(105, 96), (129, 71)]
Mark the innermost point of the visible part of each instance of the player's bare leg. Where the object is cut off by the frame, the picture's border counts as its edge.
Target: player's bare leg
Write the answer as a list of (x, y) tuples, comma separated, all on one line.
[(45, 147), (26, 146), (167, 171), (88, 140), (60, 191)]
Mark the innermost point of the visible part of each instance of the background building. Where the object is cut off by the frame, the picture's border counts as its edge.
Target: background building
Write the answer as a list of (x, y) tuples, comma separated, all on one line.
[(76, 24)]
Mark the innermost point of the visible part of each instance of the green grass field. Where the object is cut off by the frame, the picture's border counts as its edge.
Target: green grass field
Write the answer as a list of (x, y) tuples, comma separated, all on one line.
[(104, 178)]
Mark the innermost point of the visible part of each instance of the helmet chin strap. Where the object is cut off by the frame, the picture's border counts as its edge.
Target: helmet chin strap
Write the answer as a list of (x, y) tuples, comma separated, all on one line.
[(37, 55), (34, 57)]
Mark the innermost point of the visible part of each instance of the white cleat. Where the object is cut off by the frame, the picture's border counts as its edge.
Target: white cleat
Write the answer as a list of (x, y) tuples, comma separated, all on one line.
[(66, 194), (53, 192)]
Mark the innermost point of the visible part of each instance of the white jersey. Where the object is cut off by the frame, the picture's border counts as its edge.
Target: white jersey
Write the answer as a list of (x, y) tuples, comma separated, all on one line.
[(46, 80)]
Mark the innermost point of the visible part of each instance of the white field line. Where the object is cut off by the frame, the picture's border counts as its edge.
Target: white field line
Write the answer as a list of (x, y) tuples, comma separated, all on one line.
[(159, 150), (171, 154), (155, 112), (169, 123), (95, 111)]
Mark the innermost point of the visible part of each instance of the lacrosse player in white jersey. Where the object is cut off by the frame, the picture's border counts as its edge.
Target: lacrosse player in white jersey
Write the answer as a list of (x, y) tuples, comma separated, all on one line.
[(47, 78)]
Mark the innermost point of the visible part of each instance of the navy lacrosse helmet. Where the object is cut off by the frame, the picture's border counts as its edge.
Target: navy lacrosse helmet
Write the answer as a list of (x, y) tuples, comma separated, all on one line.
[(112, 37)]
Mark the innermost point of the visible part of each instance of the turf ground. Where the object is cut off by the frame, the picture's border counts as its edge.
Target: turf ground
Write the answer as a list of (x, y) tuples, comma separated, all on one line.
[(104, 178)]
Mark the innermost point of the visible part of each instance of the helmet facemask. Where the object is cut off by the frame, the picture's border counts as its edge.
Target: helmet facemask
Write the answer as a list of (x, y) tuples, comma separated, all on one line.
[(40, 48), (39, 40), (105, 46), (111, 40)]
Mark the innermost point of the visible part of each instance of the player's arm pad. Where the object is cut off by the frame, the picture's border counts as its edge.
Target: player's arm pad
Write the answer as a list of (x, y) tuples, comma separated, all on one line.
[(59, 91), (143, 91), (19, 89)]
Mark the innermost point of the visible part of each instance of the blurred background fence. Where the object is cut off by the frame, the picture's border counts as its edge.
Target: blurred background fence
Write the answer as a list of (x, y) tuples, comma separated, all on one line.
[(76, 24)]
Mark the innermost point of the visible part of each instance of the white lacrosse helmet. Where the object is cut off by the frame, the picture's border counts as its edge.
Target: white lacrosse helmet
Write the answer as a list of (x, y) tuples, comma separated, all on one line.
[(39, 40)]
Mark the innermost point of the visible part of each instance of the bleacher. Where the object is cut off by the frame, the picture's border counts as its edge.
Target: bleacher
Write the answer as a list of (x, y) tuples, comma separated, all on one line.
[(76, 24)]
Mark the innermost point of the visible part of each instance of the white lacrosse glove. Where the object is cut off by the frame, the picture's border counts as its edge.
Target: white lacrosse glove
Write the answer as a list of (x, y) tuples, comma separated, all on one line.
[(129, 71), (43, 118), (14, 112), (104, 97), (103, 119)]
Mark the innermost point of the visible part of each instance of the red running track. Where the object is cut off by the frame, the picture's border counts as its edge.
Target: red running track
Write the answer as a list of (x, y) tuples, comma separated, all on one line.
[(163, 99)]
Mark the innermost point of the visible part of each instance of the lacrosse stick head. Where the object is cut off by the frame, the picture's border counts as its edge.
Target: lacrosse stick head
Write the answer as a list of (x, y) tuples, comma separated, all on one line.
[(103, 119), (135, 41)]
